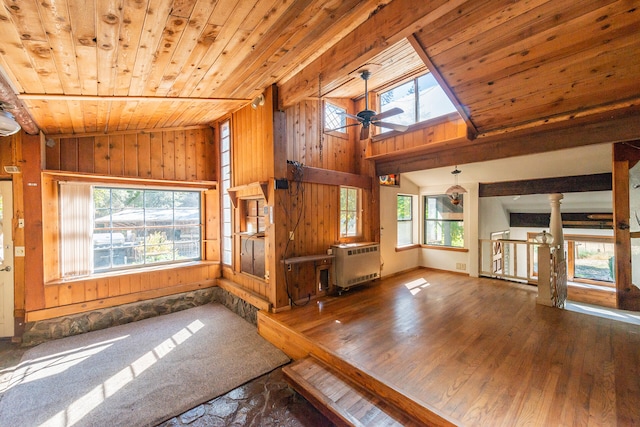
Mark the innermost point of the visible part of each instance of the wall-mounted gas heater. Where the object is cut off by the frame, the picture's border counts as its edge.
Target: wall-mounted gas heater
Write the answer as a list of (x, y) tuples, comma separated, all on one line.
[(356, 263)]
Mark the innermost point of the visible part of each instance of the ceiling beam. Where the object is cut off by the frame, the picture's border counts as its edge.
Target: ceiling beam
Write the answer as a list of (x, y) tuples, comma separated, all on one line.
[(435, 72), (397, 20), (606, 127), (20, 112), (565, 184)]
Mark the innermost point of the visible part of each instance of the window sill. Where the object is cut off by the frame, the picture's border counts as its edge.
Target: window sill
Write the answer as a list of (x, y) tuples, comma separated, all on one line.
[(406, 248), (444, 248), (130, 272)]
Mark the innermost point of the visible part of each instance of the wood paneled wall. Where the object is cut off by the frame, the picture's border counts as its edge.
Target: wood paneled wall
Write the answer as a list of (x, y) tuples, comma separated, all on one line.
[(434, 134), (254, 144), (311, 146), (180, 155)]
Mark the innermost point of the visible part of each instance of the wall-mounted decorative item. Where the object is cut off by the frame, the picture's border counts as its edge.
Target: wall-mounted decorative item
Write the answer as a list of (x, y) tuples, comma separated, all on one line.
[(390, 180)]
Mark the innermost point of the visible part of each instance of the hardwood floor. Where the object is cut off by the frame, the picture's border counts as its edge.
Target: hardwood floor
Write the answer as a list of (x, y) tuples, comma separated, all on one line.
[(472, 351)]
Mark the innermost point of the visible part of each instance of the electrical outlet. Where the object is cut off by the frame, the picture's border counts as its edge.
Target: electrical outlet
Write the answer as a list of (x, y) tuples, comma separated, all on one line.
[(19, 251), (291, 235), (461, 266)]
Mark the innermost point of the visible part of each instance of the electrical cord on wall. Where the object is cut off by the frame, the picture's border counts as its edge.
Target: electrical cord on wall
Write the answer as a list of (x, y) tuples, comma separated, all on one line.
[(298, 196)]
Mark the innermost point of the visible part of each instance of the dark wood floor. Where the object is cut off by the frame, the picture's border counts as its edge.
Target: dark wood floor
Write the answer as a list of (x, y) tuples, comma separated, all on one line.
[(474, 351)]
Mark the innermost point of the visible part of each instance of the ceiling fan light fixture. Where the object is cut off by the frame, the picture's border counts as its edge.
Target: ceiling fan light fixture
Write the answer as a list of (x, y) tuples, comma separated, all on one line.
[(8, 125)]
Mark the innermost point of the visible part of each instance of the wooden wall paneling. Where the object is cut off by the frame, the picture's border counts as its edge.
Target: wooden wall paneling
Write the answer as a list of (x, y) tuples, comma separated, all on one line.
[(101, 151), (212, 225), (180, 155), (190, 155), (52, 155), (51, 296), (91, 290), (145, 282), (31, 167), (50, 242), (213, 154), (131, 155), (65, 295), (116, 155), (155, 141), (69, 154), (102, 287), (168, 155), (124, 285), (114, 286), (86, 156), (144, 155), (201, 156)]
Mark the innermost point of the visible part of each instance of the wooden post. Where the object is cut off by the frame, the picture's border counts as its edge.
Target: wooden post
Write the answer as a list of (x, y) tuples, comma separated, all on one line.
[(544, 275)]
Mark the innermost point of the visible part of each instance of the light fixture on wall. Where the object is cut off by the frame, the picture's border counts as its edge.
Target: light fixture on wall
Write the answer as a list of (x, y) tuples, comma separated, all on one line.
[(8, 125), (455, 190), (257, 101)]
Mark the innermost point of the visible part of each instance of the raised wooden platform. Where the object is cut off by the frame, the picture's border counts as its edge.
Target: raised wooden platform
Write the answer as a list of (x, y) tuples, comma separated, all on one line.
[(341, 400), (451, 349)]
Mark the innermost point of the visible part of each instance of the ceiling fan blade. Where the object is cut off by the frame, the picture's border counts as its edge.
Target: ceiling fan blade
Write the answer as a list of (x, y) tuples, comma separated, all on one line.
[(342, 127), (351, 116), (394, 126), (388, 113), (364, 132)]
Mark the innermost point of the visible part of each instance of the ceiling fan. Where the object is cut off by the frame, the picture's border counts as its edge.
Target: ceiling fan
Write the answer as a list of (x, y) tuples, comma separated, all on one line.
[(369, 117)]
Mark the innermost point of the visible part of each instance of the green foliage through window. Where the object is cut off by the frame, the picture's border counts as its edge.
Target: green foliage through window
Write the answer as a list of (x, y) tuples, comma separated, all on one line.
[(135, 227)]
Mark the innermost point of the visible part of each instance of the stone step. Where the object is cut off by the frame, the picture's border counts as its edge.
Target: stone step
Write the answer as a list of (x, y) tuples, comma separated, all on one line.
[(341, 400)]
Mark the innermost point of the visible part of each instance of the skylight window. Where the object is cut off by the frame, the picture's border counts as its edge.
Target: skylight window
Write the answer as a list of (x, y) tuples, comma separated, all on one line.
[(421, 99)]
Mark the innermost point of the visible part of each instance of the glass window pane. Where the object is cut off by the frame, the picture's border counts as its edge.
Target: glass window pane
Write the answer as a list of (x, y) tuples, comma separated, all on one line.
[(432, 101), (334, 117), (402, 97), (594, 261), (443, 221)]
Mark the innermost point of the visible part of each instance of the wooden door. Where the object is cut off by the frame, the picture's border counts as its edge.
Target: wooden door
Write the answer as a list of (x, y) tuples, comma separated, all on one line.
[(626, 213), (6, 261)]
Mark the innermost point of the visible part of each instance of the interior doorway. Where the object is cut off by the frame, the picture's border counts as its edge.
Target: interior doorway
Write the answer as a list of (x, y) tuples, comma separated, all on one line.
[(6, 261)]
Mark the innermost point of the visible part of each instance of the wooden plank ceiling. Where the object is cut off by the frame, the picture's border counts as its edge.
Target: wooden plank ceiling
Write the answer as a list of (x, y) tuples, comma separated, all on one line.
[(84, 66)]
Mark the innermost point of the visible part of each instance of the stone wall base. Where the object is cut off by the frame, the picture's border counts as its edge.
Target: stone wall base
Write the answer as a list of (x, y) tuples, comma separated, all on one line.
[(60, 327)]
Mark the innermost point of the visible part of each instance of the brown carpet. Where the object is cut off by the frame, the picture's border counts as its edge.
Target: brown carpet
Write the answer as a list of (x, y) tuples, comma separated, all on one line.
[(138, 374)]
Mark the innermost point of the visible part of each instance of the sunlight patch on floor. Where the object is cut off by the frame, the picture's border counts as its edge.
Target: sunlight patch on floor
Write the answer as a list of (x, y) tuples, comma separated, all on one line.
[(82, 406), (415, 286), (632, 317)]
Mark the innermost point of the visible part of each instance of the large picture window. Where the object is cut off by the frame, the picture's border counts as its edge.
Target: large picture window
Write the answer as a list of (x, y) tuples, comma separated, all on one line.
[(421, 99), (127, 227), (443, 221)]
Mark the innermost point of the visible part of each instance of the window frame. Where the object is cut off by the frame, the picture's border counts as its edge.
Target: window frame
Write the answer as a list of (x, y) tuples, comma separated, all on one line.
[(417, 123), (226, 207), (93, 212), (342, 133), (410, 220), (425, 220), (357, 211)]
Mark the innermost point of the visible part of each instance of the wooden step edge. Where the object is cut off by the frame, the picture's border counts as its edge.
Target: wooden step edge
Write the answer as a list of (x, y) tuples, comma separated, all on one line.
[(322, 403), (297, 346)]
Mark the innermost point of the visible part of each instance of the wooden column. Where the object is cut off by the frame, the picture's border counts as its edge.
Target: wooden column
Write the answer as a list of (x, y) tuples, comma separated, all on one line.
[(544, 275)]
